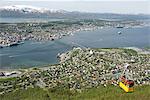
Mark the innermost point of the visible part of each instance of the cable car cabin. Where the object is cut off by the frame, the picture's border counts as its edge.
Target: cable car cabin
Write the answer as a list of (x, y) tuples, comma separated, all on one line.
[(126, 85)]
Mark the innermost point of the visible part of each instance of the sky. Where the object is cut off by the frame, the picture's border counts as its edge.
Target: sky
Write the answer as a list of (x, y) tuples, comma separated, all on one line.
[(100, 6)]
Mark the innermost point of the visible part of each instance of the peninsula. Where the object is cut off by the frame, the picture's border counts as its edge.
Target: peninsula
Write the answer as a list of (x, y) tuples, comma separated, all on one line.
[(80, 69)]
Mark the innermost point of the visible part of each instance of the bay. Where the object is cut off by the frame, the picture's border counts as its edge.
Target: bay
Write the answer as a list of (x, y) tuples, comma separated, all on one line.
[(33, 53)]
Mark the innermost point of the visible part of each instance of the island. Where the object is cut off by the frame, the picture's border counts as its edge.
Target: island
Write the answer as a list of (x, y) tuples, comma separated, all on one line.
[(12, 34)]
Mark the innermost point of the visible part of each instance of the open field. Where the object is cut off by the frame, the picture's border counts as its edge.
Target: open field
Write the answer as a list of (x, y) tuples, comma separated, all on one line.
[(100, 93)]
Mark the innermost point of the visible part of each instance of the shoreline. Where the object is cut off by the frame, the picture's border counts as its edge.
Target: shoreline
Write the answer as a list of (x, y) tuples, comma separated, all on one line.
[(140, 50), (53, 30), (64, 35), (51, 39), (137, 49), (81, 69)]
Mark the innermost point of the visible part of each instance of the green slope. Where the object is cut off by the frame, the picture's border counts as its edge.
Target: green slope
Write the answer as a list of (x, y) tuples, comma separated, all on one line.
[(100, 93)]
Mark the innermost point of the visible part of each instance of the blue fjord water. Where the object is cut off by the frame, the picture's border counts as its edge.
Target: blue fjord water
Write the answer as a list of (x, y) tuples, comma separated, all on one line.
[(31, 53)]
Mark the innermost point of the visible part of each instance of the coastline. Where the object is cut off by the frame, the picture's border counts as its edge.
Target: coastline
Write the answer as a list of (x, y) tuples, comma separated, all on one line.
[(51, 32), (140, 50), (137, 49), (81, 68)]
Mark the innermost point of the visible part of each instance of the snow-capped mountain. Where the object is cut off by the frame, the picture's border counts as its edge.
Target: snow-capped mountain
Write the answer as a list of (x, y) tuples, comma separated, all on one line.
[(30, 9), (25, 11)]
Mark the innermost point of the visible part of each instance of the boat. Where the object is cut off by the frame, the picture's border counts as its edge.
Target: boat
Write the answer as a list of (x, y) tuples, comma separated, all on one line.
[(119, 32), (119, 27), (16, 43)]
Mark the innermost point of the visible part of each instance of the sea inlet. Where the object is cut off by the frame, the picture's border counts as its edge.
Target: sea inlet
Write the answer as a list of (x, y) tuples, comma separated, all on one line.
[(34, 54)]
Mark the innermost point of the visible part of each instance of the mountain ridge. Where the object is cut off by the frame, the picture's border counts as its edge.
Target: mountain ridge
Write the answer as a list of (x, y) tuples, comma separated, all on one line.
[(30, 9), (26, 11)]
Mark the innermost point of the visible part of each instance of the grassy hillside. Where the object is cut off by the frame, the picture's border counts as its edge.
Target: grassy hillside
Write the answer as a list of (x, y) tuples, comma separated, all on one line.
[(100, 93)]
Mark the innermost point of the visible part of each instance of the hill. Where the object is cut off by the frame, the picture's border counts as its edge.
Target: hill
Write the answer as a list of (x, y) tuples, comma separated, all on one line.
[(100, 93)]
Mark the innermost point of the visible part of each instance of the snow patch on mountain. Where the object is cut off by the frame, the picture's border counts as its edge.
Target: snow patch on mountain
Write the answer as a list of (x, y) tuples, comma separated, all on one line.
[(30, 9)]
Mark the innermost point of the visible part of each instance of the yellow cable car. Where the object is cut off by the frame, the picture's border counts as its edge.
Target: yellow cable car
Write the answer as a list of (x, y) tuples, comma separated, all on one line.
[(125, 81), (127, 85)]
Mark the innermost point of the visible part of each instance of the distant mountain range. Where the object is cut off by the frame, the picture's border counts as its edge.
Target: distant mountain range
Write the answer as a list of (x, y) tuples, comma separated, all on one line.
[(23, 11)]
